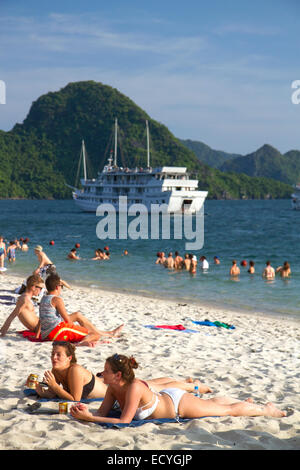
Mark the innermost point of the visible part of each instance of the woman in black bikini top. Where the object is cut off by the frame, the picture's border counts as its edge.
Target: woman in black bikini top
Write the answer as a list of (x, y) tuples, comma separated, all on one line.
[(67, 379), (70, 381)]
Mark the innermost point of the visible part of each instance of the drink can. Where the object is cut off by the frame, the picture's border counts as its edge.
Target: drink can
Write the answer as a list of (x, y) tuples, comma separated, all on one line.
[(32, 381), (63, 408)]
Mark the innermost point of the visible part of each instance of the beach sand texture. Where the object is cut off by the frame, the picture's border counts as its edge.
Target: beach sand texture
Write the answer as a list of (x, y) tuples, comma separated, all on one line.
[(258, 359)]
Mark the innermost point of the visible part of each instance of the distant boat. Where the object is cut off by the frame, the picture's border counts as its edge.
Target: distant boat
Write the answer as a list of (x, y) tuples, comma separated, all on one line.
[(296, 197), (167, 186)]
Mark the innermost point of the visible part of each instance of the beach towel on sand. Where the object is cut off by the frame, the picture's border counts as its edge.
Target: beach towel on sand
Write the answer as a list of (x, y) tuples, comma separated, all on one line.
[(214, 323), (30, 335), (113, 414), (29, 392), (171, 327)]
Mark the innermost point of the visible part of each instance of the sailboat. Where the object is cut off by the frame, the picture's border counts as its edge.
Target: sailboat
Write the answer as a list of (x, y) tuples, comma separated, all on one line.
[(164, 189)]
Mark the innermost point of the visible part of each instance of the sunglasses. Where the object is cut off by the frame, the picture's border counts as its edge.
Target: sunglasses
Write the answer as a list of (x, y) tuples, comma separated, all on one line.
[(39, 287)]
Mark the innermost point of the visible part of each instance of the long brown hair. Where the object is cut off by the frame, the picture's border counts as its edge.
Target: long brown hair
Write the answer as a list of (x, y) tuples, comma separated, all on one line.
[(125, 365)]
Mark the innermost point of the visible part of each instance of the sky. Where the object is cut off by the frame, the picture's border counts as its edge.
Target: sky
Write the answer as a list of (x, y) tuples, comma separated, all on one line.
[(215, 71)]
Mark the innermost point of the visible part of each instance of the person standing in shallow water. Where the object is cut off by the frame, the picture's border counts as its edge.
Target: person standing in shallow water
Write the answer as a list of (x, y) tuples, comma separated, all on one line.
[(251, 269), (269, 271), (2, 252), (234, 270), (284, 270)]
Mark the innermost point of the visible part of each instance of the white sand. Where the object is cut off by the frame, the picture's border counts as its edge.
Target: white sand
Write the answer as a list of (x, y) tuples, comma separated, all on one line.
[(259, 359)]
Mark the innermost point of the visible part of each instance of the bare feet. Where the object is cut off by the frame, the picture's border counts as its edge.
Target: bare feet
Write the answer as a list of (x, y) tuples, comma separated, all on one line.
[(273, 412), (117, 331), (202, 387), (91, 344)]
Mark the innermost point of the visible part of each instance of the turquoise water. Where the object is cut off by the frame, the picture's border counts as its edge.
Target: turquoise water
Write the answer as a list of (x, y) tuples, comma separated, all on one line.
[(257, 230)]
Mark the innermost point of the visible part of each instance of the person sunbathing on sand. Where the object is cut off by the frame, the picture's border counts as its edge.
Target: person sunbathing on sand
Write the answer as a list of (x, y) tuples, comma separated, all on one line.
[(138, 401), (56, 324), (24, 309), (70, 381)]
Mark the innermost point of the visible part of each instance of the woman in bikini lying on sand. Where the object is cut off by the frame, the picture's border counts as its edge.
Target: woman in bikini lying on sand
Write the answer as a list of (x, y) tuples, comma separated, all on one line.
[(138, 401), (70, 381)]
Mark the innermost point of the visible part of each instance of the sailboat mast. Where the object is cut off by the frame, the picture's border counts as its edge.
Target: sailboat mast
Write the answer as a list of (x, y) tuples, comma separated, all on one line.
[(116, 141), (148, 145), (84, 160)]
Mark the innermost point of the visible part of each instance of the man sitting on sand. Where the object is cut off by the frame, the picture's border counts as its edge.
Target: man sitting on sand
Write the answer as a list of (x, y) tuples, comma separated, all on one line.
[(44, 261), (57, 325), (24, 309)]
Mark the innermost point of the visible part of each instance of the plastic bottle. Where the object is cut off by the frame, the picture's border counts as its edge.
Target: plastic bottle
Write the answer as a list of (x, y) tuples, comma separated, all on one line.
[(196, 391)]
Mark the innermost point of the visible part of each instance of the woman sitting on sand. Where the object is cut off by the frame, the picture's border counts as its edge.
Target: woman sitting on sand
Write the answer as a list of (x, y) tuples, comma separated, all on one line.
[(138, 401), (78, 383)]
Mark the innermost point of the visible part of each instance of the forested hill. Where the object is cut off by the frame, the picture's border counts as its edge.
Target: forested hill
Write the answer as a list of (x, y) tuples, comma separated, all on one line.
[(41, 154), (206, 154), (268, 162)]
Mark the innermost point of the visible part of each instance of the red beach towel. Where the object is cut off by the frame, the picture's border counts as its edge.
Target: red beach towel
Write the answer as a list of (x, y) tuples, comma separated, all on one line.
[(171, 327), (30, 335)]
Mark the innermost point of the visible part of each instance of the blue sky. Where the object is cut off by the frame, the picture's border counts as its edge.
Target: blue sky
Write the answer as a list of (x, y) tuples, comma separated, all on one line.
[(217, 71)]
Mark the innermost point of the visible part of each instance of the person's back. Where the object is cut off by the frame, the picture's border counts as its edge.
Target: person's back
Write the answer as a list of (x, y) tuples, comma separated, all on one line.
[(284, 270), (269, 272), (49, 317), (251, 269), (178, 261), (235, 270), (169, 263), (187, 262)]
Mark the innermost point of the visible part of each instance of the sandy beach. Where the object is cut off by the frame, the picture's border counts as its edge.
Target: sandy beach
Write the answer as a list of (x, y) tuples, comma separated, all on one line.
[(258, 359)]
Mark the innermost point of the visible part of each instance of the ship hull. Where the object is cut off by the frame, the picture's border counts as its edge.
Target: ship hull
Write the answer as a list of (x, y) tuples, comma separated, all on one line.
[(174, 204)]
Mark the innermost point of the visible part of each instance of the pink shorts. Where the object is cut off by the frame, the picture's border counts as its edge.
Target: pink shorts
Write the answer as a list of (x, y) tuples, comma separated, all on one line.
[(68, 332)]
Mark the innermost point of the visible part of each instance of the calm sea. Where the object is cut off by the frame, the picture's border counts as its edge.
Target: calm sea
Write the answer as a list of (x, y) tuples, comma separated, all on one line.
[(257, 230)]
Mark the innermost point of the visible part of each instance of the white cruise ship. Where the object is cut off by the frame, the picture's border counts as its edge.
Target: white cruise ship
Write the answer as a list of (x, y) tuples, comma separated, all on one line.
[(168, 187)]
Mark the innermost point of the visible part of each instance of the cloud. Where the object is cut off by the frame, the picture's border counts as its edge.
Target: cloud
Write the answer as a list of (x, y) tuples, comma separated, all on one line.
[(247, 29), (73, 34), (184, 81)]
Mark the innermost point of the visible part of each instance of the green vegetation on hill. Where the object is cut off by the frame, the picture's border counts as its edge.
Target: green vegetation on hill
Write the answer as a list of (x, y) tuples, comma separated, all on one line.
[(267, 162), (27, 168), (206, 154), (38, 156)]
